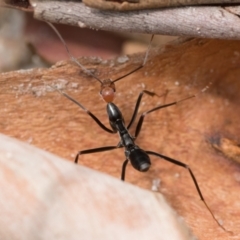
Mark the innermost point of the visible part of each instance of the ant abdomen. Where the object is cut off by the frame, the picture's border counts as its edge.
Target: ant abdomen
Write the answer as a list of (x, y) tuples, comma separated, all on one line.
[(139, 159)]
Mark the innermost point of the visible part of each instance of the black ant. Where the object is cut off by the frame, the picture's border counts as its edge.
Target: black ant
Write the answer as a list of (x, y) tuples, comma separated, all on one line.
[(138, 157)]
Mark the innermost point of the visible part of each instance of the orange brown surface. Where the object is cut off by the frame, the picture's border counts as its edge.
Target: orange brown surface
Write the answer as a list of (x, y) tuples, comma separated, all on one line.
[(32, 112)]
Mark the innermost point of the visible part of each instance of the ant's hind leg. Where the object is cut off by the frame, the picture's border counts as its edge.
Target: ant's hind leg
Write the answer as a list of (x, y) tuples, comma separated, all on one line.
[(124, 169), (176, 162)]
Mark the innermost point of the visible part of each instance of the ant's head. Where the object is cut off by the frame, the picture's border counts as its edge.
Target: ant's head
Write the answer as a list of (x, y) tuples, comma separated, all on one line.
[(108, 90)]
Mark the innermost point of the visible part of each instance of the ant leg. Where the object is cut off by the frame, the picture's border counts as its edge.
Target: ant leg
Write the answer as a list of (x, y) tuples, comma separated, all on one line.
[(94, 150), (137, 106), (140, 121), (88, 112), (144, 62), (124, 169), (192, 176)]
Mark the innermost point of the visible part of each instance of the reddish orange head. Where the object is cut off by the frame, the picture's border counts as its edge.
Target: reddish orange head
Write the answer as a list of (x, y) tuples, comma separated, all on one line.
[(108, 90)]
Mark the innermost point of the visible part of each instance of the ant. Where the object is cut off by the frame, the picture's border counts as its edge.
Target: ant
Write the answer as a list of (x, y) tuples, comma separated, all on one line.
[(138, 157)]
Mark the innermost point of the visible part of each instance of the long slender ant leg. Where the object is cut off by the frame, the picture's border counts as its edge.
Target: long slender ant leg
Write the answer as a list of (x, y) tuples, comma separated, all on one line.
[(95, 150), (138, 104), (192, 176), (140, 122), (124, 169), (99, 123)]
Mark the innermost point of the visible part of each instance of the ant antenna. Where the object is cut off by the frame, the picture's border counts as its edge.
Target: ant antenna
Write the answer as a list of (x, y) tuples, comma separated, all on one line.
[(144, 62), (108, 89), (70, 55)]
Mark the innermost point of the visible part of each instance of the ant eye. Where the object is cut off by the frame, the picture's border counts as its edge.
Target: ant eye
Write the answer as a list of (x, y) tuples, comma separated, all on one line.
[(108, 94)]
